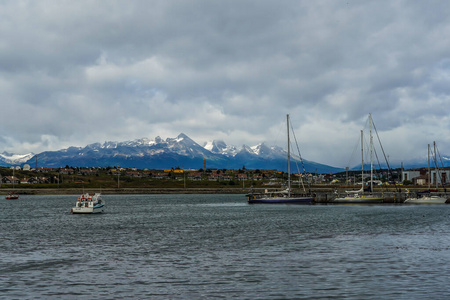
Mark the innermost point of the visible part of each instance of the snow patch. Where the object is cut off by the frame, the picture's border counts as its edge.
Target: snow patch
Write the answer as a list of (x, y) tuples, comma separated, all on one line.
[(15, 158)]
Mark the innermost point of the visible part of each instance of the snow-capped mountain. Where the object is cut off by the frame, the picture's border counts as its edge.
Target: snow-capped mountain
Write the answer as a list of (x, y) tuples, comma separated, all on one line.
[(220, 147), (264, 151), (181, 152), (141, 153), (9, 159)]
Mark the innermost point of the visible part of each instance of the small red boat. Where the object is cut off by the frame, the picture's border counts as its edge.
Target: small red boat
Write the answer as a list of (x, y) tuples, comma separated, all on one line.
[(12, 196)]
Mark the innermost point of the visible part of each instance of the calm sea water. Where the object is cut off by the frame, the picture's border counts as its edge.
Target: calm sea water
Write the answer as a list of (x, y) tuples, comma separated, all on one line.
[(217, 246)]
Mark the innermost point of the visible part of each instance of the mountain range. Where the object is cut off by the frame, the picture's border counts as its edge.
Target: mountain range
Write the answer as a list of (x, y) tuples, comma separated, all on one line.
[(180, 152)]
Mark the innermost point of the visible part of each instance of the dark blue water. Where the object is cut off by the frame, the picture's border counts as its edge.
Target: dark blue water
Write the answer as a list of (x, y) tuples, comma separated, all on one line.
[(217, 246)]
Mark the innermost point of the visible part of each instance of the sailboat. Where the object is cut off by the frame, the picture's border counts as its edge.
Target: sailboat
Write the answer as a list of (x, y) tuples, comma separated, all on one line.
[(359, 196), (12, 195), (428, 199), (284, 196)]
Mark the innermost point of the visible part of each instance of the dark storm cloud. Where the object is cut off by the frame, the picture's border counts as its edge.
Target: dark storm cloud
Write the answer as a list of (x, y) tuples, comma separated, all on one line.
[(78, 72)]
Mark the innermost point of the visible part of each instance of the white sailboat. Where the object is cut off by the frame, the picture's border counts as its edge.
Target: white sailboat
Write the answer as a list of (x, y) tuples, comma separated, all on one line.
[(359, 196), (285, 196), (429, 199)]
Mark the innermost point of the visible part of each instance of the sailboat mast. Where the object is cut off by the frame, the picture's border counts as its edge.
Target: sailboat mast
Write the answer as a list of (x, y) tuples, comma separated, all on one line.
[(435, 164), (362, 160), (371, 154), (289, 156), (429, 170)]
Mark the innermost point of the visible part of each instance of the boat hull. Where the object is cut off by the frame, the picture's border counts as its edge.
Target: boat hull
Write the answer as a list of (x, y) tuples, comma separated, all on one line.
[(12, 197), (426, 200), (89, 203), (88, 210), (281, 200), (358, 200)]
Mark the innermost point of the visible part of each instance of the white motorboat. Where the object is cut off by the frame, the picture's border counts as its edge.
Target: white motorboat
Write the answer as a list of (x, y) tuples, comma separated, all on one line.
[(89, 203)]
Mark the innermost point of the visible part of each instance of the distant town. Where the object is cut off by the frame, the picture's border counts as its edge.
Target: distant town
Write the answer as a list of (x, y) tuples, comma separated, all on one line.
[(117, 177)]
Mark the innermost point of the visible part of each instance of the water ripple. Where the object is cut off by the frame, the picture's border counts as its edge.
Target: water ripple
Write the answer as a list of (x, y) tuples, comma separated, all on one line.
[(217, 246)]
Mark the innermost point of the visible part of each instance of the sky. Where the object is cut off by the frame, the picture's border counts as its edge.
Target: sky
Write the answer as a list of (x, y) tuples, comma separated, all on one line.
[(74, 73)]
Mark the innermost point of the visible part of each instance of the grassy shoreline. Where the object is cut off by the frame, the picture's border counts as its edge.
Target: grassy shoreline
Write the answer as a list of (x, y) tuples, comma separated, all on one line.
[(125, 191)]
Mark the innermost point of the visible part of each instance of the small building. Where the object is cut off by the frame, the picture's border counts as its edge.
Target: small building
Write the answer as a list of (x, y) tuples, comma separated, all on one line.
[(420, 180), (420, 177), (114, 172), (411, 174), (214, 177), (440, 176), (242, 177), (88, 172), (32, 180), (43, 180), (133, 174), (257, 177), (66, 171), (195, 176), (161, 175), (10, 180)]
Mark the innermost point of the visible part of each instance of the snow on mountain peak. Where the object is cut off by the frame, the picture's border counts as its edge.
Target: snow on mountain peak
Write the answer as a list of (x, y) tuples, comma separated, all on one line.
[(209, 146), (182, 136), (220, 147), (256, 149), (15, 158), (158, 153), (263, 150)]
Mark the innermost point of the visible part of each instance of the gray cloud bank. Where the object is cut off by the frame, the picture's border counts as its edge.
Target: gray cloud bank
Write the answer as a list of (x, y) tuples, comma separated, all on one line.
[(78, 72)]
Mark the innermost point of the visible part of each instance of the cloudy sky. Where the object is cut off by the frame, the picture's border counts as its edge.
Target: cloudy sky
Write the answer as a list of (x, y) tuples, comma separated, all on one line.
[(78, 72)]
